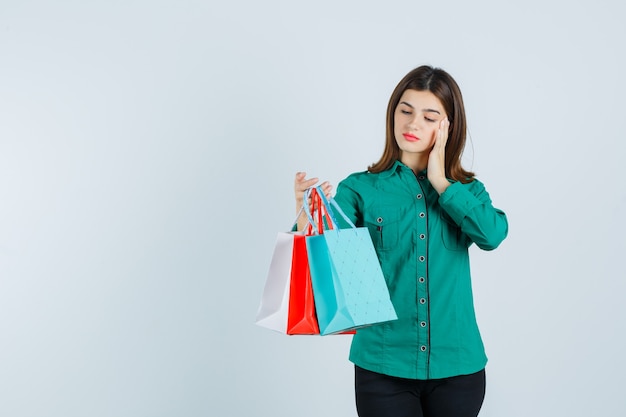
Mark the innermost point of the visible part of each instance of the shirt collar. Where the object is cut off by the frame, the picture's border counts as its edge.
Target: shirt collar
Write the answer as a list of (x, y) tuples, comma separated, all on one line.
[(397, 167)]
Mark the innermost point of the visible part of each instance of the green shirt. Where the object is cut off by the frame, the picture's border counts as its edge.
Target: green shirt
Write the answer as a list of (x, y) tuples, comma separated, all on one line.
[(422, 241)]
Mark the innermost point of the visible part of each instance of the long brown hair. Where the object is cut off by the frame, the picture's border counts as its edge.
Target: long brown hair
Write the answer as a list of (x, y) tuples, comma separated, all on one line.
[(443, 86)]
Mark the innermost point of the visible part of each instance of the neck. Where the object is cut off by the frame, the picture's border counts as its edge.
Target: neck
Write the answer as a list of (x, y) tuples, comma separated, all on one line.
[(416, 161)]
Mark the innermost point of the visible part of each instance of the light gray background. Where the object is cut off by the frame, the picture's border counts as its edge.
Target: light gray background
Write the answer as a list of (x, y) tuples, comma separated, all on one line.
[(147, 153)]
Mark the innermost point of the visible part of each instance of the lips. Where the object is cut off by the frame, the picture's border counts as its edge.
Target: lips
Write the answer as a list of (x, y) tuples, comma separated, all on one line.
[(410, 137)]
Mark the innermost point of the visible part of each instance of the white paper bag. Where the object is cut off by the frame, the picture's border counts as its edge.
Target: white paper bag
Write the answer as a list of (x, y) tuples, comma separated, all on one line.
[(274, 309)]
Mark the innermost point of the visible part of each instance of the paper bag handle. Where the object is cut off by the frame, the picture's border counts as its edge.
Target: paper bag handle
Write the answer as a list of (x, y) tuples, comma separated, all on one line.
[(320, 211), (325, 209)]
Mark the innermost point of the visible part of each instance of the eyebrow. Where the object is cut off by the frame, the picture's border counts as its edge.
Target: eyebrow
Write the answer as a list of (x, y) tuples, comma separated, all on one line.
[(424, 110)]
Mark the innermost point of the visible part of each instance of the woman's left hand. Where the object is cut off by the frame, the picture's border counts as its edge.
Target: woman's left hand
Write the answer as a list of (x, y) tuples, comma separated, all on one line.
[(437, 159)]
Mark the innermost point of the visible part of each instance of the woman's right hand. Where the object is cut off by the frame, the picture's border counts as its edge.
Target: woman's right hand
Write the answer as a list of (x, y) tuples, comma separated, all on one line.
[(301, 184)]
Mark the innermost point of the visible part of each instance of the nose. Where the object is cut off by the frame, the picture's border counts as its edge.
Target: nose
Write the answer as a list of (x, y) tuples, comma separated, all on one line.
[(413, 123)]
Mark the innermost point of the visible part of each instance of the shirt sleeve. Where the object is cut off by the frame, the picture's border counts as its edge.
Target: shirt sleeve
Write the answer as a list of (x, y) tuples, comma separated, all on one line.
[(350, 202), (470, 207)]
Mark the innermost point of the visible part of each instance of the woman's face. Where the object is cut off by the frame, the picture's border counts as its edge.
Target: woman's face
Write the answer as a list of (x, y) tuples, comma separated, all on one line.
[(416, 122)]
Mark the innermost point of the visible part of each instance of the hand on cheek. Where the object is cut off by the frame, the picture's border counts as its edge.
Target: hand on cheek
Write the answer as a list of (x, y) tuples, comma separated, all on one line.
[(437, 158)]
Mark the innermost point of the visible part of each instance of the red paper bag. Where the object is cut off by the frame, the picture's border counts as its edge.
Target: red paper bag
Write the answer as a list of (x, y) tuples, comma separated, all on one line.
[(301, 318)]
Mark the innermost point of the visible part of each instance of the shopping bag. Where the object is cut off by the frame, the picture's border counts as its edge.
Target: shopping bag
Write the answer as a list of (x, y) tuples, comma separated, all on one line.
[(287, 304), (301, 318), (273, 311), (349, 287)]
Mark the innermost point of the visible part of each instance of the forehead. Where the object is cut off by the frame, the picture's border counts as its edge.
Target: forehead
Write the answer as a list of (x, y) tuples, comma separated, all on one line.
[(421, 100)]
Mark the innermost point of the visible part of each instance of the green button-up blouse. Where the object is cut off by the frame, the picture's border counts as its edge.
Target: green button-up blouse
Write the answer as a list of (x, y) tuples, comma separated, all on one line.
[(422, 241)]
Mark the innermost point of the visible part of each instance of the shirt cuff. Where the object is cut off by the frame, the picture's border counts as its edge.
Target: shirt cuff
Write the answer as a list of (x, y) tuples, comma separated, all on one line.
[(457, 201)]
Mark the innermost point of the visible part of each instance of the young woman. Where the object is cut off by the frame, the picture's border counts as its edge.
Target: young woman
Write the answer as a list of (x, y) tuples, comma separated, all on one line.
[(423, 211)]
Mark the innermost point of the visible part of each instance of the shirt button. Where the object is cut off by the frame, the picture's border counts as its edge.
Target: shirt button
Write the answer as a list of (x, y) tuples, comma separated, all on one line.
[(421, 177), (422, 301), (422, 215), (422, 258), (419, 196), (422, 280), (422, 236), (379, 220), (423, 348), (423, 323)]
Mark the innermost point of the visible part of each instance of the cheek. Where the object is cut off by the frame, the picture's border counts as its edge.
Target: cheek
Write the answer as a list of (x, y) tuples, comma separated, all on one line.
[(398, 127), (397, 122), (432, 134)]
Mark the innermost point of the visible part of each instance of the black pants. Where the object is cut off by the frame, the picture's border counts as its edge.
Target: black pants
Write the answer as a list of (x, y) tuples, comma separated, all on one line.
[(379, 395)]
